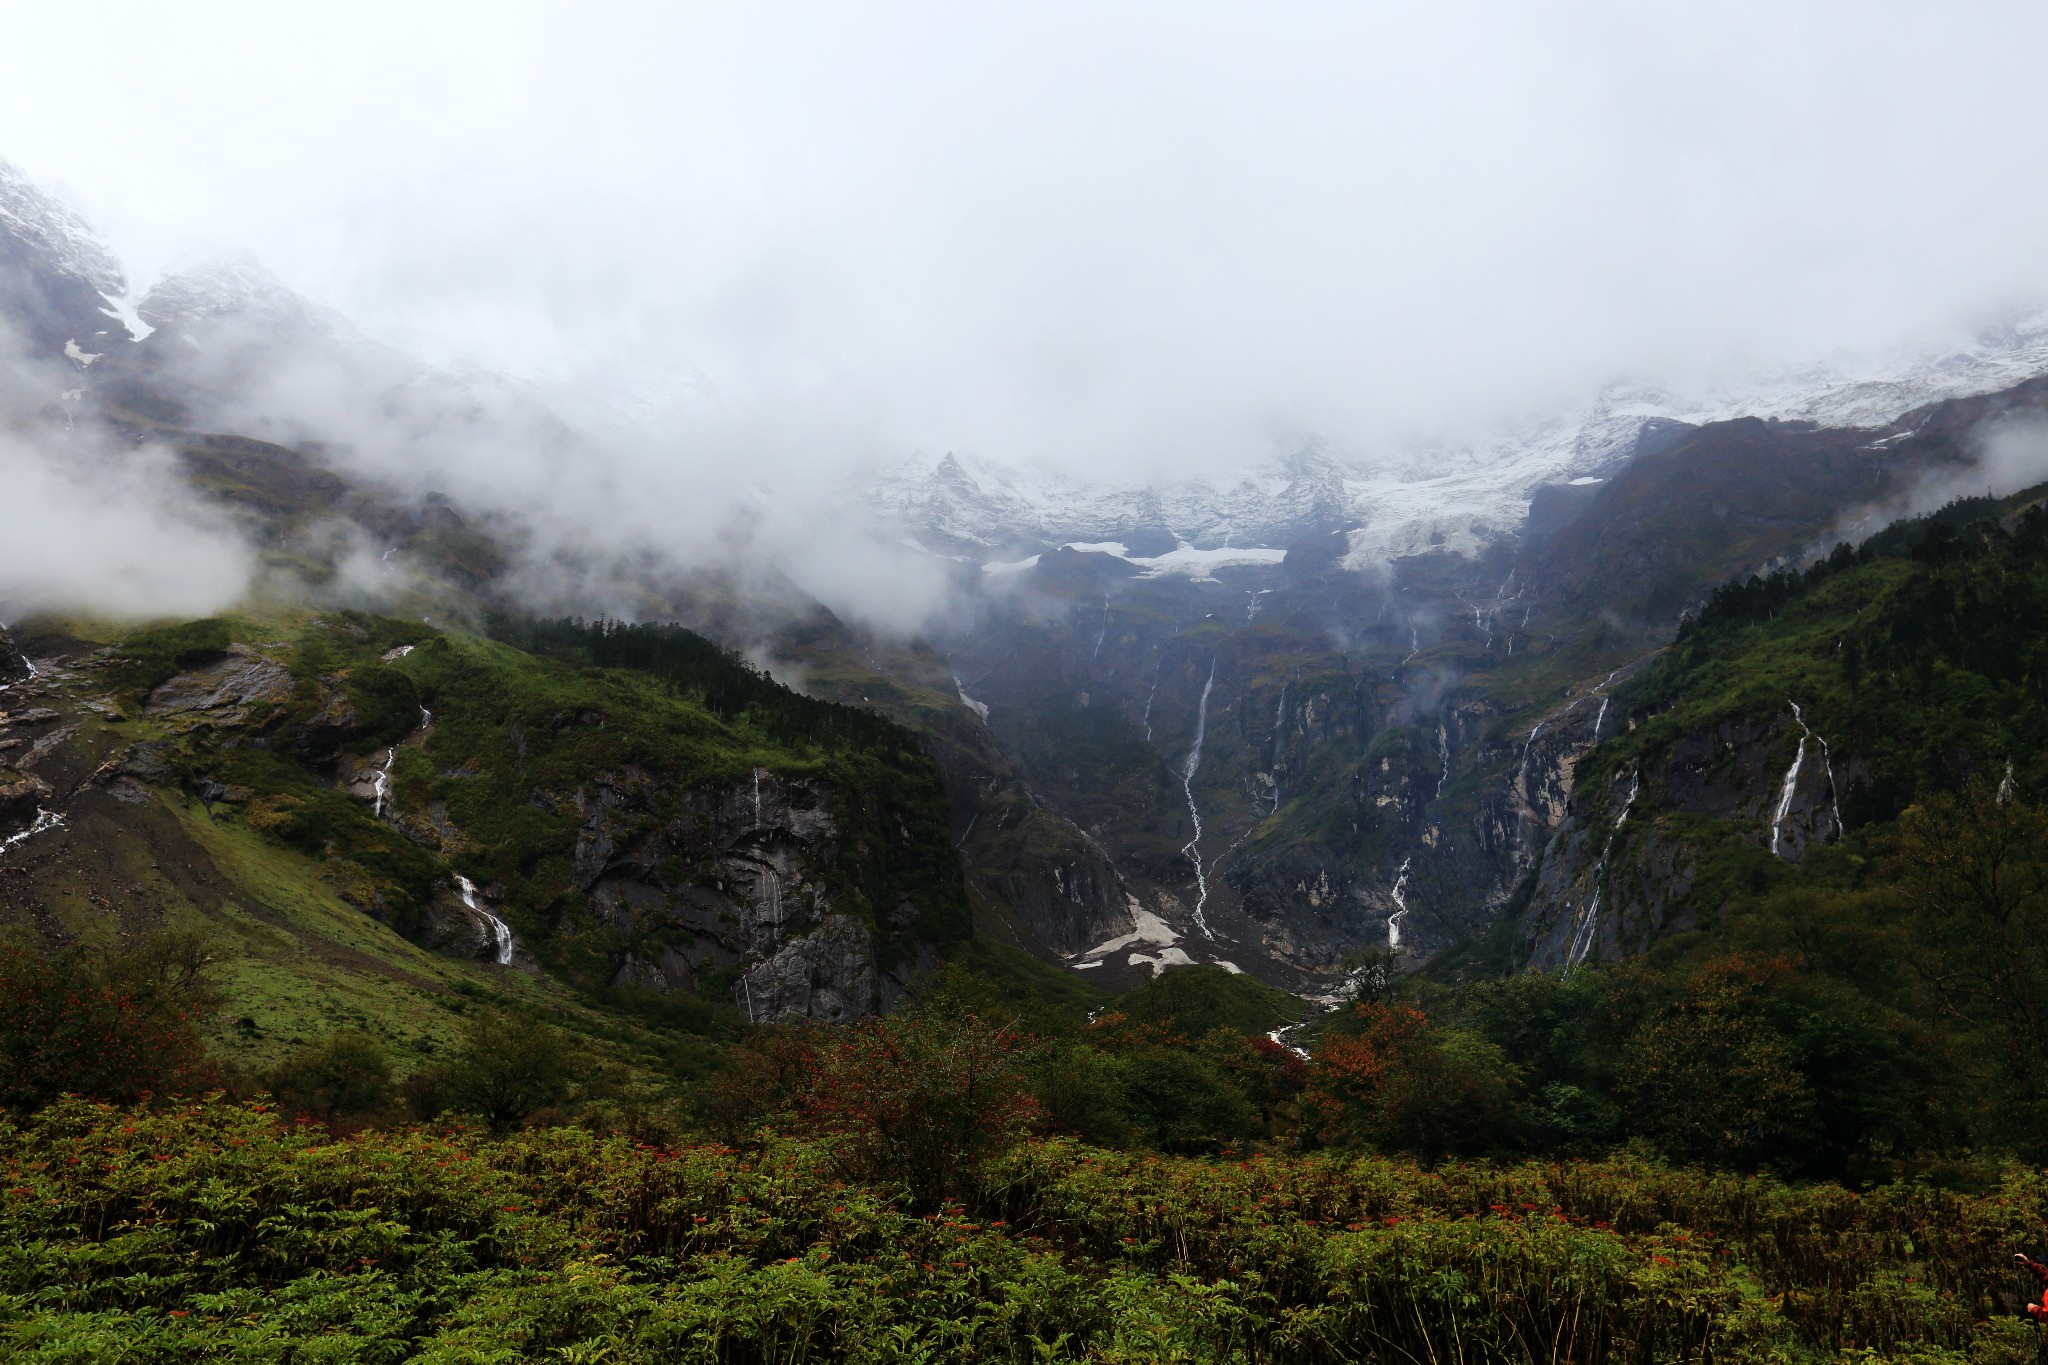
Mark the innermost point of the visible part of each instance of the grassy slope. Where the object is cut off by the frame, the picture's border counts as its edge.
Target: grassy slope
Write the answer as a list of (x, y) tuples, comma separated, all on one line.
[(279, 877)]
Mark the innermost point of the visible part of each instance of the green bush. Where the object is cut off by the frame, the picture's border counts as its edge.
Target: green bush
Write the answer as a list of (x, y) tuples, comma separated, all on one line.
[(344, 1075), (110, 1025), (215, 1231)]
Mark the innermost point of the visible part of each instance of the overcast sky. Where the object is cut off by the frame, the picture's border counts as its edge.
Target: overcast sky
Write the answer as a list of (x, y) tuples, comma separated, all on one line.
[(1112, 234)]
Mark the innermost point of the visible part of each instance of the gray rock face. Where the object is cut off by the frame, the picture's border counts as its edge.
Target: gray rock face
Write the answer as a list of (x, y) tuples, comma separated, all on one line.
[(702, 882), (1612, 879), (20, 794), (830, 975), (226, 690)]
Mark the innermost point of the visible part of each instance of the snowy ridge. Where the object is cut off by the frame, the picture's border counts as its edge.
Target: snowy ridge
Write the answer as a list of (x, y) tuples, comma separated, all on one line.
[(236, 285), (1416, 496), (56, 232)]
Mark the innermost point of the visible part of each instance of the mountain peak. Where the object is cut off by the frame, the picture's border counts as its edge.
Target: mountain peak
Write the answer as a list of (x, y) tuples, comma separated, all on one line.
[(45, 226), (234, 283)]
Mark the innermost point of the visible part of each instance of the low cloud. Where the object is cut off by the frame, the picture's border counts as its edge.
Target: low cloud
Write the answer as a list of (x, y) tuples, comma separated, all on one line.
[(109, 532)]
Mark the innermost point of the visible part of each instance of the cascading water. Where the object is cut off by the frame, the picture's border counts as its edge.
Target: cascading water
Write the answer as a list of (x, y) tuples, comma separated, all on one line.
[(1522, 763), (1599, 720), (1789, 787), (2005, 789), (1401, 901), (1443, 744), (1588, 928), (382, 782), (1193, 848), (501, 932), (1582, 938), (1279, 729), (45, 821), (1103, 633)]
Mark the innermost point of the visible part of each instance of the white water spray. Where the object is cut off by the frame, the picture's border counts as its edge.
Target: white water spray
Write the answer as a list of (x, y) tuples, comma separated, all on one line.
[(501, 932), (45, 821), (1582, 940), (1394, 920), (1588, 928), (2005, 788), (1443, 744), (1599, 720), (1787, 789), (1522, 763), (382, 782), (1193, 848)]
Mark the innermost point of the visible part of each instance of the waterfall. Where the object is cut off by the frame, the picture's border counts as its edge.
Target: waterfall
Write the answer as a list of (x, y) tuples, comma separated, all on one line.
[(1588, 928), (426, 719), (1443, 744), (501, 932), (1279, 1037), (1582, 938), (1101, 634), (45, 820), (1193, 848), (2005, 789), (757, 796), (1790, 785), (1599, 720), (1146, 719), (381, 784), (1522, 763), (1394, 920)]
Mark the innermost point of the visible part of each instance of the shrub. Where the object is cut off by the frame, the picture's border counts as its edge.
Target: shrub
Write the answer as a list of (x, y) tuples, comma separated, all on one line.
[(346, 1074), (922, 1101), (509, 1068), (1391, 1078), (111, 1026)]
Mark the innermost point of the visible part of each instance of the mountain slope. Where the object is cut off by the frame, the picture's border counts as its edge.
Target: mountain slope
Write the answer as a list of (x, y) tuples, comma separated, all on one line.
[(1802, 710), (693, 829)]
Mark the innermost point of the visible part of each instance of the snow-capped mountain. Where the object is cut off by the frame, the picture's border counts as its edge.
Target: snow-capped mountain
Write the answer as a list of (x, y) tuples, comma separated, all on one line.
[(60, 288), (1411, 498)]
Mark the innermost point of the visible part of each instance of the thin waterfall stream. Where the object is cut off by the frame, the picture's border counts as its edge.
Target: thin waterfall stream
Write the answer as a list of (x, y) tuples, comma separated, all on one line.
[(1193, 847), (1394, 920), (501, 932)]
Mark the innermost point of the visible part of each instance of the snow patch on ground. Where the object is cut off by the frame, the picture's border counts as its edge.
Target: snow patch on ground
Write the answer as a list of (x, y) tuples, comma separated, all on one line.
[(1201, 565)]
